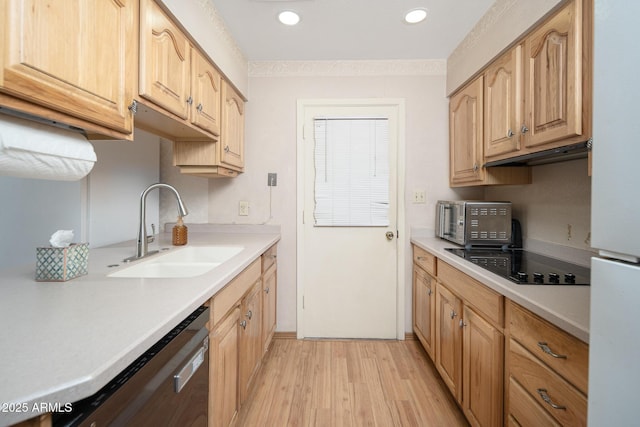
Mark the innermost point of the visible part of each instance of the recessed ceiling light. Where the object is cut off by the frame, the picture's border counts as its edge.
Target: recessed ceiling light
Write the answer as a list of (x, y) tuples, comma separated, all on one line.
[(289, 17), (415, 15)]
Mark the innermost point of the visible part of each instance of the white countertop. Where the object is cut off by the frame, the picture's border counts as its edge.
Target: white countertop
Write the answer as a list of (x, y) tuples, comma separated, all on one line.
[(567, 307), (63, 341)]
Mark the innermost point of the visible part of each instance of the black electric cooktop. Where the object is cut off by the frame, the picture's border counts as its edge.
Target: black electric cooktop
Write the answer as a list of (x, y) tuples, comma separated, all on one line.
[(526, 268)]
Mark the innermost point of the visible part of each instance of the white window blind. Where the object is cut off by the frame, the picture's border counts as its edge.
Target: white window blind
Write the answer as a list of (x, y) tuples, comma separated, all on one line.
[(351, 172)]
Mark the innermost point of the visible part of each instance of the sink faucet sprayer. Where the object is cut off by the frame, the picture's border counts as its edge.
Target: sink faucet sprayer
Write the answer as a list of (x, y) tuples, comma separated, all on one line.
[(143, 242)]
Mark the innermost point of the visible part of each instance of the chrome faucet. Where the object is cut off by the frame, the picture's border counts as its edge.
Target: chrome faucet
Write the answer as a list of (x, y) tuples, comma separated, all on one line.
[(142, 244)]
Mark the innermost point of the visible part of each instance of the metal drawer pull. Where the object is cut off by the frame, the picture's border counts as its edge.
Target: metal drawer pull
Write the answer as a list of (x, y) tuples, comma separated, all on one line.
[(249, 314), (243, 324), (453, 314), (543, 394), (546, 349)]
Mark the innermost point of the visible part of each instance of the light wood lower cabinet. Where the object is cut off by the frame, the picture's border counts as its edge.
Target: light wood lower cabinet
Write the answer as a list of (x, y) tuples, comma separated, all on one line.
[(449, 339), (547, 371), (241, 314), (468, 343), (482, 370), (224, 350), (250, 338), (424, 308)]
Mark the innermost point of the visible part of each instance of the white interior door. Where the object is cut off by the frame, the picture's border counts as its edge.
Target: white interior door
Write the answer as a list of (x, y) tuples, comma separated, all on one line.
[(348, 268)]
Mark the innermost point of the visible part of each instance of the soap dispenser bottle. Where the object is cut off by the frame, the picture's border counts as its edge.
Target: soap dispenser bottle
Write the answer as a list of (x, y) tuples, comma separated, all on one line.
[(179, 233)]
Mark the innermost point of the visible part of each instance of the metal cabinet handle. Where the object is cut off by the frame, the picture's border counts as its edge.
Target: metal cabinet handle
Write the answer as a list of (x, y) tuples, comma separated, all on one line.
[(543, 394), (226, 148), (510, 133), (190, 100), (462, 323), (133, 107), (524, 129), (243, 324), (546, 349), (475, 167), (453, 314), (199, 108), (267, 290), (249, 314), (429, 292)]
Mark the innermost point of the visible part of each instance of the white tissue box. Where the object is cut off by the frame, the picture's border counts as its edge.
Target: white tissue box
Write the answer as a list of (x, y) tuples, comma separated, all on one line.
[(62, 264)]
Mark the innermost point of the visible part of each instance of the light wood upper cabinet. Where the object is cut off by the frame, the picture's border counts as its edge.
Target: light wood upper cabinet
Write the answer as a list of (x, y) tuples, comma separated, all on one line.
[(553, 82), (232, 138), (503, 104), (466, 133), (165, 61), (538, 94), (206, 93), (466, 142), (69, 58), (221, 158)]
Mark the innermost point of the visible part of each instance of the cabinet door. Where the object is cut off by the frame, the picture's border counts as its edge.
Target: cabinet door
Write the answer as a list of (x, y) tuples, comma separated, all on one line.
[(70, 56), (232, 137), (482, 370), (223, 383), (269, 293), (424, 304), (164, 61), (503, 104), (466, 133), (449, 340), (553, 55), (250, 338), (205, 83)]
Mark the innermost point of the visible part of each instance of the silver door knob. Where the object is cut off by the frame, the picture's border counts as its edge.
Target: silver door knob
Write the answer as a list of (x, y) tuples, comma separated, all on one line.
[(389, 235)]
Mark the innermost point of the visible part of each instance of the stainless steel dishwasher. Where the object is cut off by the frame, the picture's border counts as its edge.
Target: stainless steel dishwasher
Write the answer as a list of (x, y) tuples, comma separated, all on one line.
[(167, 386)]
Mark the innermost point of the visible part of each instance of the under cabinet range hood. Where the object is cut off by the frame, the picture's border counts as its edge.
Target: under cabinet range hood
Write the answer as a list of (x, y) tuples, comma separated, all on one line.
[(560, 154)]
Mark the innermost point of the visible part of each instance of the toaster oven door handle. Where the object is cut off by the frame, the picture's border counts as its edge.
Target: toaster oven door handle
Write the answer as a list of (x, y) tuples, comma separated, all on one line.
[(442, 220)]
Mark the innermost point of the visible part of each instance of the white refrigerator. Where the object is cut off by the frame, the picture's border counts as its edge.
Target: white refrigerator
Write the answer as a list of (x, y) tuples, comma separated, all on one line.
[(614, 338)]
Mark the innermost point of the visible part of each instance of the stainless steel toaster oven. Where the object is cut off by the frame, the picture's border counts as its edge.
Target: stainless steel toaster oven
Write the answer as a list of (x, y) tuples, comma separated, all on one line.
[(474, 223)]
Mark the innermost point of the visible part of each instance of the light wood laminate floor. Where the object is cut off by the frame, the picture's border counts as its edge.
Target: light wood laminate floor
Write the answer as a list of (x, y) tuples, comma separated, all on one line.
[(348, 383)]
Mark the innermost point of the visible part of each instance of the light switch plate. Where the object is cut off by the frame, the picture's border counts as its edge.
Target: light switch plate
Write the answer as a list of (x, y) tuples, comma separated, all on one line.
[(419, 196), (243, 208), (272, 179)]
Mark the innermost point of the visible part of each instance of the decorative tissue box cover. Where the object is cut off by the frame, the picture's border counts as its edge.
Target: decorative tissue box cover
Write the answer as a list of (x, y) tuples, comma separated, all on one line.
[(61, 264)]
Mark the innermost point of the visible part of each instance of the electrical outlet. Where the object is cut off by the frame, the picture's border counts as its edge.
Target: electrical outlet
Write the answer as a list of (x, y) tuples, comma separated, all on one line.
[(243, 208), (272, 179), (419, 196)]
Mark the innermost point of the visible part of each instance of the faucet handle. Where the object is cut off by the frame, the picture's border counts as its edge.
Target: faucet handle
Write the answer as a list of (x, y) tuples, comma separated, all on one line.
[(153, 232)]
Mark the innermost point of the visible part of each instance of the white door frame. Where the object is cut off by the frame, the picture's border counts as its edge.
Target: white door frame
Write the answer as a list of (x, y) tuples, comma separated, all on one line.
[(398, 105)]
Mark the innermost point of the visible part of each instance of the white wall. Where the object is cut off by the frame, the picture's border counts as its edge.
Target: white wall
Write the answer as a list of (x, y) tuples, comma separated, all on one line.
[(101, 208), (123, 170), (503, 24), (555, 207), (271, 147), (32, 210)]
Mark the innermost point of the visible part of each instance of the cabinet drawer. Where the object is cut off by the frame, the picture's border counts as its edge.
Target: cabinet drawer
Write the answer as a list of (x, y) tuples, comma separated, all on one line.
[(231, 294), (541, 382), (538, 335), (483, 299), (525, 410), (424, 277), (269, 257), (425, 260)]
